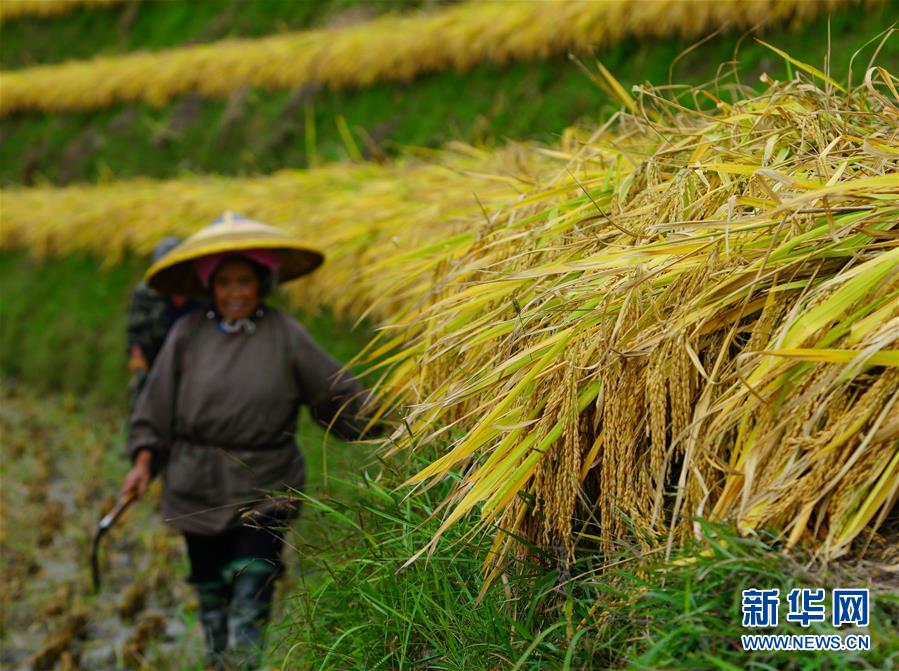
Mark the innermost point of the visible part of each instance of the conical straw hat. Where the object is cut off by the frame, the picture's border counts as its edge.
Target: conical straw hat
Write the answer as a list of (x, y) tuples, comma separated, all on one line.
[(175, 273)]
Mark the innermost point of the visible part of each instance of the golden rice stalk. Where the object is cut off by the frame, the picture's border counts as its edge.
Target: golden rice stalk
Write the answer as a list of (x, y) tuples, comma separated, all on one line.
[(13, 9), (368, 219), (738, 266), (738, 293), (388, 48)]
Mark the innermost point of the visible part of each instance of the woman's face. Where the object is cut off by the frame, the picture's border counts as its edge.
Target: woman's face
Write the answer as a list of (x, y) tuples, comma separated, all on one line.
[(235, 288)]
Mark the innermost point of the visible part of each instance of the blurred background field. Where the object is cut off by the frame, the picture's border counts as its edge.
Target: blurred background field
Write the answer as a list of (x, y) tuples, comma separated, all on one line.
[(425, 184), (257, 131)]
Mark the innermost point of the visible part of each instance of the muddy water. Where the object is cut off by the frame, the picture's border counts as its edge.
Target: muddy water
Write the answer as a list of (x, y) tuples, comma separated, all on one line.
[(61, 470)]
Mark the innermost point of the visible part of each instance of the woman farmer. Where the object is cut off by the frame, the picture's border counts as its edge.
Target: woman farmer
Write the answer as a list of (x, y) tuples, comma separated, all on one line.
[(218, 415)]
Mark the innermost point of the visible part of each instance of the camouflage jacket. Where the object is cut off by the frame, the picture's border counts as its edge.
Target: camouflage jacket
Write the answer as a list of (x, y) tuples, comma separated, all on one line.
[(150, 317)]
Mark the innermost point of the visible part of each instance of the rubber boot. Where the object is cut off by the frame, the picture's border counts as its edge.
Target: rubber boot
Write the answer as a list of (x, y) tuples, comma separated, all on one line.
[(213, 598), (253, 587)]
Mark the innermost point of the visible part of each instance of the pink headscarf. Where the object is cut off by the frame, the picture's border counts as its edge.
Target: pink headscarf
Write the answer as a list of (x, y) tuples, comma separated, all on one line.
[(206, 265)]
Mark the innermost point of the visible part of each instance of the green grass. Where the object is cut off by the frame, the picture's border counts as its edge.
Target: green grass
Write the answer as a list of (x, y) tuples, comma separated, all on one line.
[(157, 24), (265, 131), (63, 325), (356, 607)]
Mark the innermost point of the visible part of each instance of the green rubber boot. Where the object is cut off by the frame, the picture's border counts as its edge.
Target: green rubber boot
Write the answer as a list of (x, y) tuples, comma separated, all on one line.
[(253, 588), (213, 598)]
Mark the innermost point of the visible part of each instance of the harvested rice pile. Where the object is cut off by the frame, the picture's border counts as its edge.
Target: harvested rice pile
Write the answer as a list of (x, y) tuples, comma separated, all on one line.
[(367, 218), (13, 9), (699, 317), (390, 48), (684, 313)]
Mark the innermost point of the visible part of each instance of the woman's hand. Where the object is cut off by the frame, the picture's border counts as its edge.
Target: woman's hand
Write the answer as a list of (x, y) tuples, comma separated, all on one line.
[(139, 476)]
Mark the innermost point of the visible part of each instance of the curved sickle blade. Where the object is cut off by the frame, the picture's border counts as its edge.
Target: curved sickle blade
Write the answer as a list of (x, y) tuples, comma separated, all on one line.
[(104, 525)]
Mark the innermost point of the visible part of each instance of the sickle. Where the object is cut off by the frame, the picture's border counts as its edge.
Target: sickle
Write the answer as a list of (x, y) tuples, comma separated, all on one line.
[(104, 526)]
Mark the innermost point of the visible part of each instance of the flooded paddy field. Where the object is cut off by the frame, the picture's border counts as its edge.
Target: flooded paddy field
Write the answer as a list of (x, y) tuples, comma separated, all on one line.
[(62, 466), (61, 471)]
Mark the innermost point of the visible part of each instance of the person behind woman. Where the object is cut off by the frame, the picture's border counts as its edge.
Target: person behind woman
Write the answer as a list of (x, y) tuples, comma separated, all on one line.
[(151, 315), (217, 419)]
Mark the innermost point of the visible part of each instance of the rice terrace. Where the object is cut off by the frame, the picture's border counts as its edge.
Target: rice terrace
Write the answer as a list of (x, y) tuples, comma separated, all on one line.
[(593, 306)]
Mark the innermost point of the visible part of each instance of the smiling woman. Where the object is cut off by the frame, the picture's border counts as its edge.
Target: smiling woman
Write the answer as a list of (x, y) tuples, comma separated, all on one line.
[(236, 289), (218, 415)]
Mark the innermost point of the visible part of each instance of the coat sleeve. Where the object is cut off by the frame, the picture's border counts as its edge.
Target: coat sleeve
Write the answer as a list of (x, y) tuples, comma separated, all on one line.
[(337, 400), (150, 426)]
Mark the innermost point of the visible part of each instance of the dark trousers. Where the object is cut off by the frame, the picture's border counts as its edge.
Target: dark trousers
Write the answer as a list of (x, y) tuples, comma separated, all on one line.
[(211, 555), (234, 574)]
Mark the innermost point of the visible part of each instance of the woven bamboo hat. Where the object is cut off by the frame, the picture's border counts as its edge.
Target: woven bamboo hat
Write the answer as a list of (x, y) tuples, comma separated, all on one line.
[(176, 272)]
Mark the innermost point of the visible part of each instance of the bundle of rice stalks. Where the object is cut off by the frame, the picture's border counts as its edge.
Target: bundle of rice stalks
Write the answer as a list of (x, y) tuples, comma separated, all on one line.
[(390, 48), (700, 317), (13, 9), (366, 217), (682, 314)]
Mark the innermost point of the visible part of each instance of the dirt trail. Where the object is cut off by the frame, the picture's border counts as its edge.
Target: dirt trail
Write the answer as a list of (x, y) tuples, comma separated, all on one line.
[(60, 471)]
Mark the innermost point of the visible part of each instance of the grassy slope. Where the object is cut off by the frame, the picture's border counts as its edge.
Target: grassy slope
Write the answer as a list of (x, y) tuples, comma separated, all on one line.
[(158, 24), (258, 132)]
